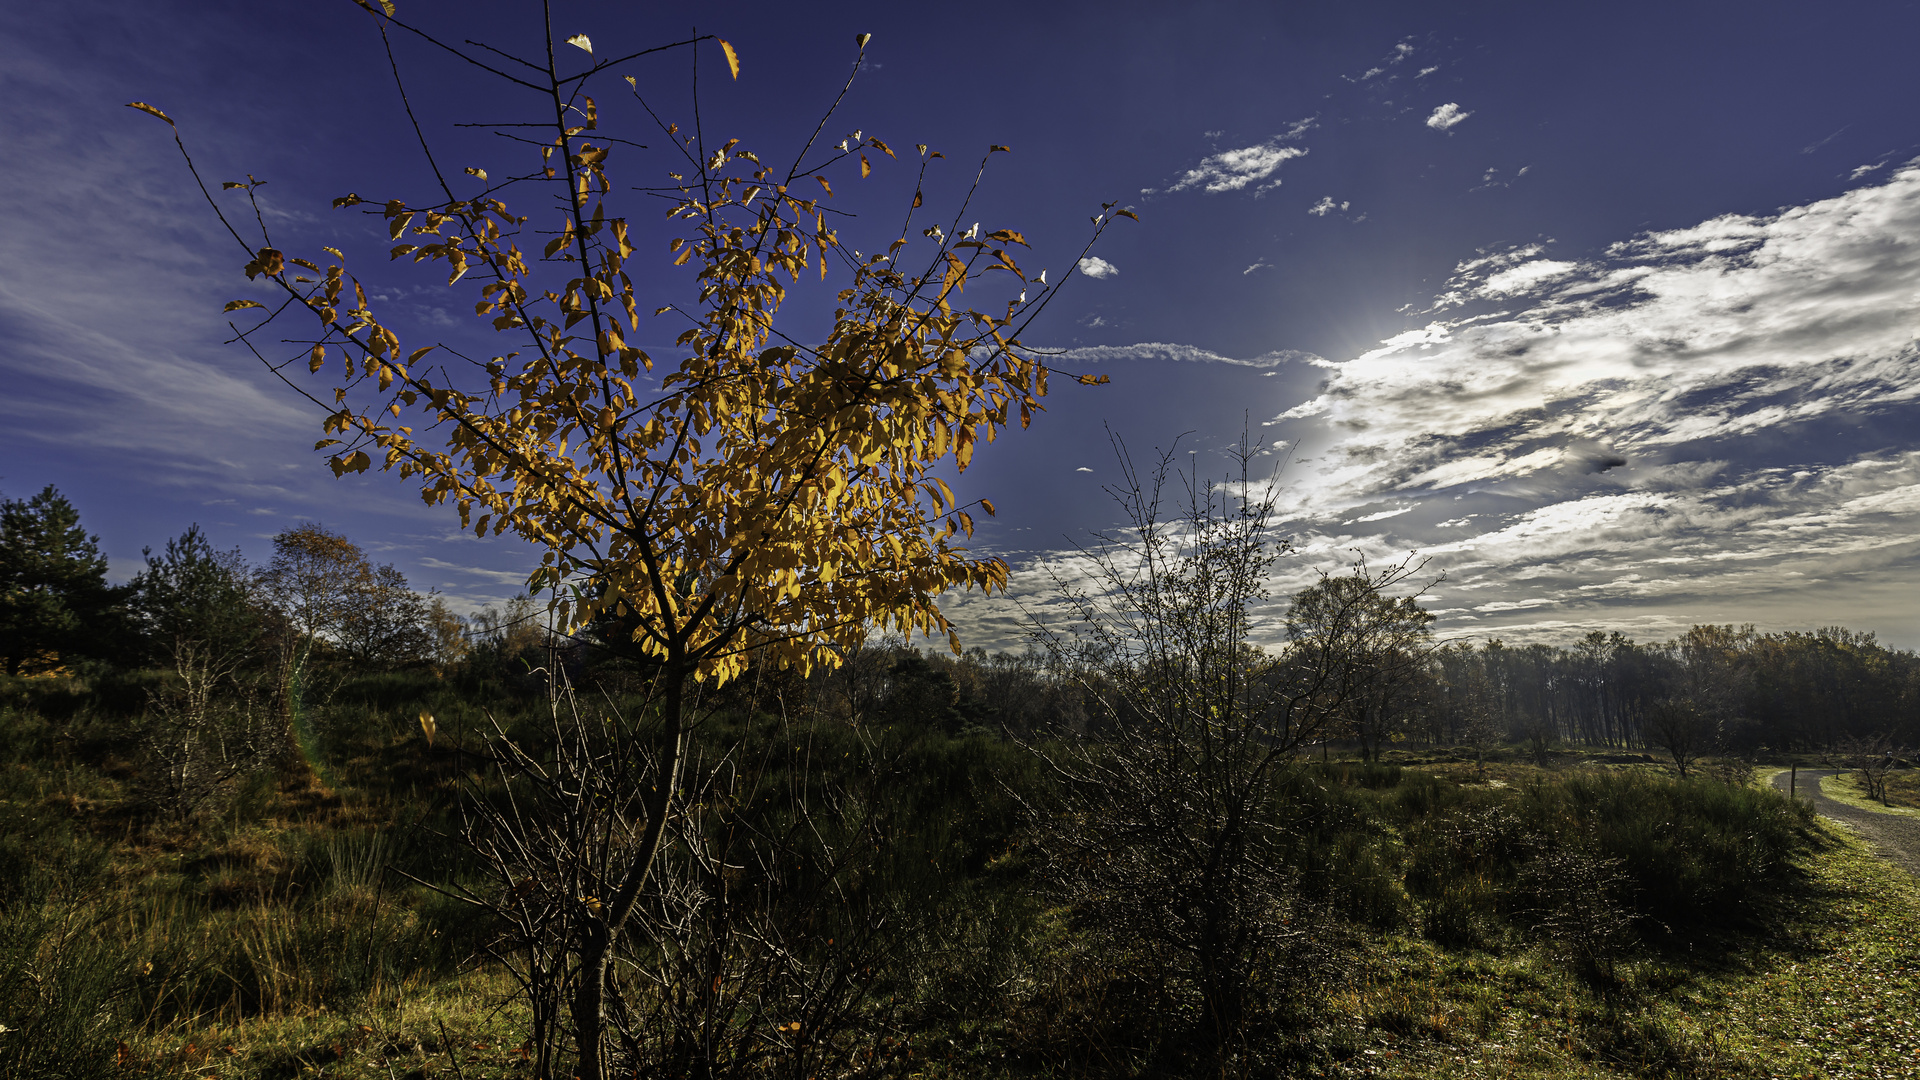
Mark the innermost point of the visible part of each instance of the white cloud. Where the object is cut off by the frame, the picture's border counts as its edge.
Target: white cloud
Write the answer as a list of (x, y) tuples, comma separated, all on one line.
[(1326, 206), (1096, 267), (1491, 178), (1400, 52), (1233, 170), (1160, 350), (1642, 440), (516, 579), (1426, 71), (1446, 116), (1725, 329), (1261, 265), (1384, 515), (1526, 277), (116, 379)]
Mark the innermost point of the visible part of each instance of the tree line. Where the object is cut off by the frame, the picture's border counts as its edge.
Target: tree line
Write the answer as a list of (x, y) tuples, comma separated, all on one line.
[(318, 598), (321, 605), (1713, 688)]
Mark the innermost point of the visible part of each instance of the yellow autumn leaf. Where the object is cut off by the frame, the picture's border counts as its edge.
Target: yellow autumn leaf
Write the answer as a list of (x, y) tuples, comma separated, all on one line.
[(733, 58), (236, 305), (150, 110)]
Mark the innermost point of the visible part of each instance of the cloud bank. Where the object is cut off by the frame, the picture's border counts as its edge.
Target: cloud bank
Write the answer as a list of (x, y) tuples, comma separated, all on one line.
[(1718, 423), (1727, 328)]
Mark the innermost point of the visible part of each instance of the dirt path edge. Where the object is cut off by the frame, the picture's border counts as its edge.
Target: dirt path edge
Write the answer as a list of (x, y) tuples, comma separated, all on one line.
[(1895, 836)]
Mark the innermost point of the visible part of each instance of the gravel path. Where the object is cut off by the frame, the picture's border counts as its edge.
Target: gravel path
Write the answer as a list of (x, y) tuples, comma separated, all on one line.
[(1896, 836)]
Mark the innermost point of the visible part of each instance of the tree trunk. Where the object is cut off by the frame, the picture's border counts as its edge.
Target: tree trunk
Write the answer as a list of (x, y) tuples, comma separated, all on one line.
[(296, 771), (604, 927)]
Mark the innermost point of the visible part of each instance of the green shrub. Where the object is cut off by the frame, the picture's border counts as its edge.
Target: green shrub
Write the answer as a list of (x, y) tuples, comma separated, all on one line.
[(1693, 852), (1554, 859)]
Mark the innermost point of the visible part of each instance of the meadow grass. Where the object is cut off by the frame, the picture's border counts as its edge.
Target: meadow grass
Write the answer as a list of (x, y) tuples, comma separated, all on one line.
[(1601, 919), (1830, 991), (1903, 793)]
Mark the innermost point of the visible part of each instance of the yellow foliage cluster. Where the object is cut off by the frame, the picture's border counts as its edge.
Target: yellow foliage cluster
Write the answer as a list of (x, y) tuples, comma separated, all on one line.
[(763, 495)]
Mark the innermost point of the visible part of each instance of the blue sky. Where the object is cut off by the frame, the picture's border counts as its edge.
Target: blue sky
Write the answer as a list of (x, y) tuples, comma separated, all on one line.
[(1611, 313)]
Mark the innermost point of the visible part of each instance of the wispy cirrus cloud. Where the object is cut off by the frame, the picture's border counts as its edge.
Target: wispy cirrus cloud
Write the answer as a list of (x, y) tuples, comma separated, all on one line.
[(1253, 166), (1401, 51), (118, 385), (1162, 350)]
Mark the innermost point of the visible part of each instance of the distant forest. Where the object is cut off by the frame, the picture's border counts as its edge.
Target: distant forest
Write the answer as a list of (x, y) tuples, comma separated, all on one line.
[(320, 606), (1724, 688)]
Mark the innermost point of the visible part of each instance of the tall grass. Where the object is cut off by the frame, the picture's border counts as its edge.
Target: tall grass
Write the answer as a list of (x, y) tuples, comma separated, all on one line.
[(63, 989), (287, 906)]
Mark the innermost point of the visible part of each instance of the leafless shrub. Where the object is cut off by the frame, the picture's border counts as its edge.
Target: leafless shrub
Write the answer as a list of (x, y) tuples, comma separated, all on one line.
[(1579, 910), (1163, 837), (200, 734), (1871, 758)]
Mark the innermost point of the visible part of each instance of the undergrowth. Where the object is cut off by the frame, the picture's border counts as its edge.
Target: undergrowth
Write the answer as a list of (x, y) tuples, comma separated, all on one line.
[(1452, 919)]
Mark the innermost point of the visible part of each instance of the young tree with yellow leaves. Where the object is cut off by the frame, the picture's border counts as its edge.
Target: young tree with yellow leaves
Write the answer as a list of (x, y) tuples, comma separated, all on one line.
[(755, 497)]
